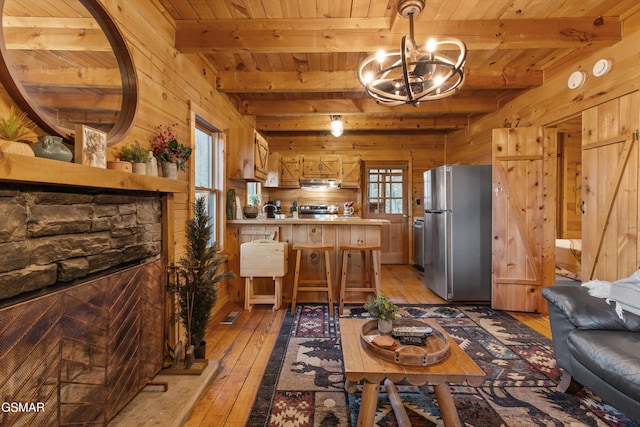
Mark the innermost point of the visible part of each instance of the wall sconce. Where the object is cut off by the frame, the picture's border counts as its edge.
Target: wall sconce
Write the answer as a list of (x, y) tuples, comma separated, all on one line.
[(336, 125)]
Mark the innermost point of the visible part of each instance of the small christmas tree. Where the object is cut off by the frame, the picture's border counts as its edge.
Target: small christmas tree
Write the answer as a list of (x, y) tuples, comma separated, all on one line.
[(202, 268)]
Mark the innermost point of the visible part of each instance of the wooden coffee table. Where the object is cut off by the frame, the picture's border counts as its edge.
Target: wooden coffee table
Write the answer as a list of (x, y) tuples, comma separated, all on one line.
[(359, 365)]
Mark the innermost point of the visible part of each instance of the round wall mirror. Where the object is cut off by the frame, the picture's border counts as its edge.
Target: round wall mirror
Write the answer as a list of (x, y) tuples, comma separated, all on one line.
[(66, 63)]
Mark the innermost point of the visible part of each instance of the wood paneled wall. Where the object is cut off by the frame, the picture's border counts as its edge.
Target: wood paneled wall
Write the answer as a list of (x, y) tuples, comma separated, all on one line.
[(569, 192), (169, 84), (554, 102)]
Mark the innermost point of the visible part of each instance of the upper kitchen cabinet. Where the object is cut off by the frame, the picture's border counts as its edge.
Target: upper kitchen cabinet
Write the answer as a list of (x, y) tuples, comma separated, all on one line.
[(324, 167), (290, 172), (273, 173), (248, 155), (350, 172)]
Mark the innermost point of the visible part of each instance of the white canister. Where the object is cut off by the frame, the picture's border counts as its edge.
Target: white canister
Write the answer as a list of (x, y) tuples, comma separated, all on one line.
[(152, 165)]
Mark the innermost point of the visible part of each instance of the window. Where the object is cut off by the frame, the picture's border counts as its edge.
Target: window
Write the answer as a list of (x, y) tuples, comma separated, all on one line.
[(254, 193), (208, 179), (385, 190)]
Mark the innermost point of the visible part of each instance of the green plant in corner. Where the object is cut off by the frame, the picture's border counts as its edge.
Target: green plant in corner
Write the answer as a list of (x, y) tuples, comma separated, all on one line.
[(202, 268), (381, 308), (134, 153)]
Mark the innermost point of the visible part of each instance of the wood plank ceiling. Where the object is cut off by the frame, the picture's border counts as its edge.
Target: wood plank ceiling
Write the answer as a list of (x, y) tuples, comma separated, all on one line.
[(293, 63)]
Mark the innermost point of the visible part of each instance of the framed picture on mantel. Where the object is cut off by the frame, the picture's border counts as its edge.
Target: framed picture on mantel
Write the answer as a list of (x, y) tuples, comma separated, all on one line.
[(90, 146)]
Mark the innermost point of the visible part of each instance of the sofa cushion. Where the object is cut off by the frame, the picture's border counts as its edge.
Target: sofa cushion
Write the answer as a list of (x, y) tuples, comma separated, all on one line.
[(587, 312), (613, 356)]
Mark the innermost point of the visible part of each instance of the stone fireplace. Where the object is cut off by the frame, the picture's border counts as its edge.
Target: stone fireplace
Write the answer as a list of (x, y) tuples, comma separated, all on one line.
[(55, 235), (82, 289)]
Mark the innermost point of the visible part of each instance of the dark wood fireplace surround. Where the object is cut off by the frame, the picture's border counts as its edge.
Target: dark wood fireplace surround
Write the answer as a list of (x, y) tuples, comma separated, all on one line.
[(75, 349)]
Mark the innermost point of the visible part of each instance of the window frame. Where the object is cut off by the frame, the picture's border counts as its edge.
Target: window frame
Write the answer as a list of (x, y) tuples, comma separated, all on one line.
[(215, 190)]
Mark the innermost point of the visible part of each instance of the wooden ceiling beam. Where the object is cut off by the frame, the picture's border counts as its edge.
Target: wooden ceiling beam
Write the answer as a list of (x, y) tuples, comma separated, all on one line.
[(347, 81), (458, 104), (339, 35), (359, 123)]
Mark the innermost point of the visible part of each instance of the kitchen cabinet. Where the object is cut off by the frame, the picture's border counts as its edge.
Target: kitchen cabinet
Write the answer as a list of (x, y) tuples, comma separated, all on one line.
[(350, 172), (260, 158), (273, 170), (290, 172), (321, 167), (247, 155)]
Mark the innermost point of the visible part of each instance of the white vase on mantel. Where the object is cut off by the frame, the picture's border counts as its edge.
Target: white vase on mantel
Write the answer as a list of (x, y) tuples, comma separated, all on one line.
[(152, 165)]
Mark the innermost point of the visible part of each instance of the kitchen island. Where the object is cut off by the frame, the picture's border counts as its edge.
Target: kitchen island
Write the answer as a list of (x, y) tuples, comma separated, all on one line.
[(332, 232)]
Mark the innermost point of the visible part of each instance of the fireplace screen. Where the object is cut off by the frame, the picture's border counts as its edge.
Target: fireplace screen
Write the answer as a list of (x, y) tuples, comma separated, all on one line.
[(79, 355)]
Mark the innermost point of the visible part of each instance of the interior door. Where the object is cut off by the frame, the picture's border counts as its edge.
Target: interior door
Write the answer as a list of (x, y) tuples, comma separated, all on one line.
[(385, 197), (523, 245), (610, 189)]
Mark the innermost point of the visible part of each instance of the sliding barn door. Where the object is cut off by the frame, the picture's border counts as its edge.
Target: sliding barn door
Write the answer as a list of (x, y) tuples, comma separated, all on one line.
[(610, 189), (524, 206)]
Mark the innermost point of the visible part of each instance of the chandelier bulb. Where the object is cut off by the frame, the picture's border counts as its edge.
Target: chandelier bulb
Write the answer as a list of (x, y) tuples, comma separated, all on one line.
[(431, 45), (368, 78)]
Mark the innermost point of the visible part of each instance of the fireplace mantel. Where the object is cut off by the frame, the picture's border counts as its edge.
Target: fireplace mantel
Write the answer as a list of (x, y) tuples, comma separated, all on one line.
[(23, 169)]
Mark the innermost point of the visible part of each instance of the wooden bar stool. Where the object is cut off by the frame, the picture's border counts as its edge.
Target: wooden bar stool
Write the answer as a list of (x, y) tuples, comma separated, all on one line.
[(317, 285), (371, 280)]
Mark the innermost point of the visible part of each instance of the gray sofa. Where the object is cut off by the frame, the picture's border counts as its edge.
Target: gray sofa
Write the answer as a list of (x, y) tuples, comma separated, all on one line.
[(596, 348)]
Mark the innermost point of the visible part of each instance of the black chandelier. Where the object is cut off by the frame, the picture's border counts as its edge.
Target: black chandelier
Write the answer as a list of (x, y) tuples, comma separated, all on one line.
[(414, 74)]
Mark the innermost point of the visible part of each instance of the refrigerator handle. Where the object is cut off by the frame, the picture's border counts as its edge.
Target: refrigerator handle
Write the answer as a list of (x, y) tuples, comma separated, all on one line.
[(435, 211)]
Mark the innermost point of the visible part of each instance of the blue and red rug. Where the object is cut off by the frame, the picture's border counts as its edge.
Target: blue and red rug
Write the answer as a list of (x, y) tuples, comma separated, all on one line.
[(304, 382)]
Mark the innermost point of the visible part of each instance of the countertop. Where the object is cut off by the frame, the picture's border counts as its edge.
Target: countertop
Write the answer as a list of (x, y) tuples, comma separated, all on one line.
[(334, 221)]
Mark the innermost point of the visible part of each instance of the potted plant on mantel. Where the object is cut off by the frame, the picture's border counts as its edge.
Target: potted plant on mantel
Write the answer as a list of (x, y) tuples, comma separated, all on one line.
[(138, 157), (200, 271), (384, 310), (15, 133), (171, 154)]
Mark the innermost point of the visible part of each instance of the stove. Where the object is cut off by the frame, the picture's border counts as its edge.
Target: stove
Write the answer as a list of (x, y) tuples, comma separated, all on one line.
[(318, 211)]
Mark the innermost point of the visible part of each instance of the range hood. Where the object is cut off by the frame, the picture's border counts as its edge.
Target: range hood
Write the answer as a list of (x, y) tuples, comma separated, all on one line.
[(319, 183)]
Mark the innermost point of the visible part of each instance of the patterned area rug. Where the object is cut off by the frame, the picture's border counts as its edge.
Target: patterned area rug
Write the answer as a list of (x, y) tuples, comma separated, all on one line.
[(304, 381)]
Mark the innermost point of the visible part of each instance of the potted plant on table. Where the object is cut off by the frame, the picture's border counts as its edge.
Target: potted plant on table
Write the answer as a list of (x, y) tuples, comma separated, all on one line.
[(169, 152), (16, 132), (138, 157), (384, 310), (200, 271)]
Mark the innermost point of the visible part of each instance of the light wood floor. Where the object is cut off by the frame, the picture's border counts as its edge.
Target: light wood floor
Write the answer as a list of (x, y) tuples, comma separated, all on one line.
[(243, 348)]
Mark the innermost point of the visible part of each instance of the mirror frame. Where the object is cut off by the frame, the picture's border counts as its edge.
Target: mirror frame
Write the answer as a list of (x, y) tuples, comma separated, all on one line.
[(129, 106)]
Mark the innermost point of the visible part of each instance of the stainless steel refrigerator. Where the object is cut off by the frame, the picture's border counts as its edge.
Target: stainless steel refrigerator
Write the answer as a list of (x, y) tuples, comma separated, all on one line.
[(457, 241)]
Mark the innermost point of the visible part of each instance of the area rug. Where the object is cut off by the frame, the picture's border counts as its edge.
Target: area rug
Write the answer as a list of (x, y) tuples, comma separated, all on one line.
[(304, 381)]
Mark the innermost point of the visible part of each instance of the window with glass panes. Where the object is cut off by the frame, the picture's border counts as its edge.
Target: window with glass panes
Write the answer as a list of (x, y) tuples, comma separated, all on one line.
[(208, 182), (384, 189), (254, 193)]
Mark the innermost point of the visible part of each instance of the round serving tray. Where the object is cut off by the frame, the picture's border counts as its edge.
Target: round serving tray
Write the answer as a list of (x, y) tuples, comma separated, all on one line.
[(436, 348)]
